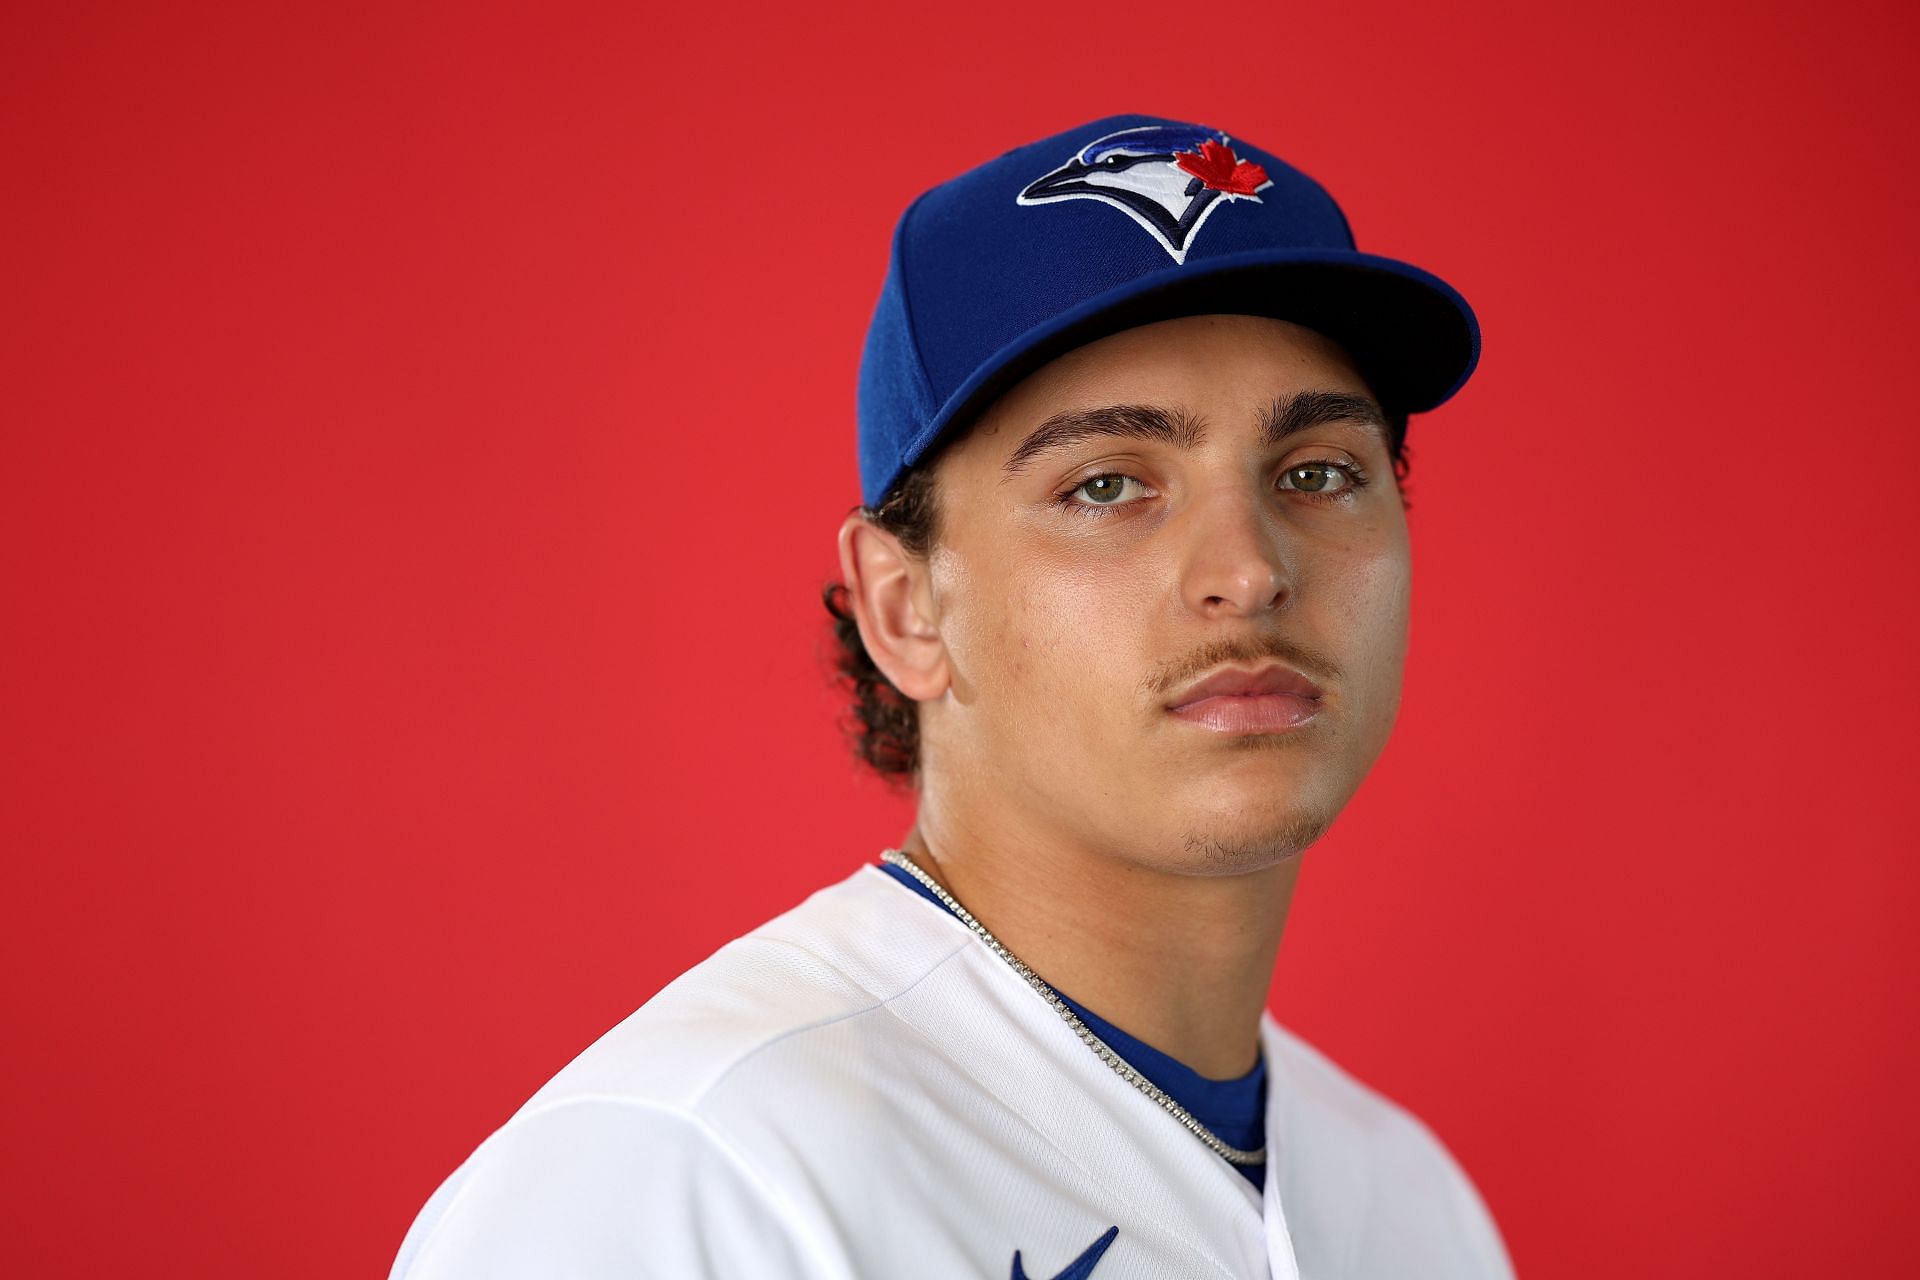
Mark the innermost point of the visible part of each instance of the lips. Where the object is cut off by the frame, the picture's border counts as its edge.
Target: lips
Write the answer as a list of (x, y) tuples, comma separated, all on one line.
[(1269, 699), (1273, 678)]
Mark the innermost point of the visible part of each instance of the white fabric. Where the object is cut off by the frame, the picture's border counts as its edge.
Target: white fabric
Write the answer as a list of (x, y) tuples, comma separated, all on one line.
[(859, 1088)]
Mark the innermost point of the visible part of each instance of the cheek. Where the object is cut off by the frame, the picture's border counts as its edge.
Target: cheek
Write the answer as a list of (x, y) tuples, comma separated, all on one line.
[(1039, 639), (1372, 597)]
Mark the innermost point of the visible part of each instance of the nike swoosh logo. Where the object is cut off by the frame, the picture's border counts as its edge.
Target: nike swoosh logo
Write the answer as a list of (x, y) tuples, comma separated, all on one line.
[(1081, 1267)]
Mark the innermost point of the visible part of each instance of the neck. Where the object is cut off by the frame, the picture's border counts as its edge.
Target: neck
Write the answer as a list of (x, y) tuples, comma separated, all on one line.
[(1180, 961)]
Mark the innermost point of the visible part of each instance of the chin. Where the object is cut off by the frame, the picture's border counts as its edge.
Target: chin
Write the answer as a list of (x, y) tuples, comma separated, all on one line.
[(1226, 853), (1248, 841), (1251, 835)]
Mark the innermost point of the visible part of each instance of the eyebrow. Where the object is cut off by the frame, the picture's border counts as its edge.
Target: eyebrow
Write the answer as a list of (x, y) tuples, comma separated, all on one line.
[(1285, 416)]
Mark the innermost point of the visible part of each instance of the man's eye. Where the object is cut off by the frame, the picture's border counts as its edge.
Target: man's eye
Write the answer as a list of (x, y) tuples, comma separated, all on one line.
[(1319, 478), (1105, 490)]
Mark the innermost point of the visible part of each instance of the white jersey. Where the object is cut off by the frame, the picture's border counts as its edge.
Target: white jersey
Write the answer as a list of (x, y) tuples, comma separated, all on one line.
[(860, 1088)]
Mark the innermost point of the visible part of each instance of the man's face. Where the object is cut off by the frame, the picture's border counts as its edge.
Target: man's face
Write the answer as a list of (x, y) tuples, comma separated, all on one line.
[(1074, 615)]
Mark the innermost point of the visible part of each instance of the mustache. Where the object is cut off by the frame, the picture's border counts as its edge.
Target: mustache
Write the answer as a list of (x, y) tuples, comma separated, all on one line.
[(1245, 651)]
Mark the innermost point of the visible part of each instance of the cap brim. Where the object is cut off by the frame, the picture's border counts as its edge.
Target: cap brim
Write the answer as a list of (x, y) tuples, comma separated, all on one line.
[(1411, 335)]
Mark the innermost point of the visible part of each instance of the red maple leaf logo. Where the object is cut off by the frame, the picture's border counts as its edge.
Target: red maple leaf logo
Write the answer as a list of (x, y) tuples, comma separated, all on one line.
[(1217, 166)]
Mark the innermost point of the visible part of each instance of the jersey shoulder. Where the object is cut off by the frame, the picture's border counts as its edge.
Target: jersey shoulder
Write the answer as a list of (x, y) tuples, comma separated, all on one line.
[(600, 1188), (1373, 1184), (656, 1151), (842, 954)]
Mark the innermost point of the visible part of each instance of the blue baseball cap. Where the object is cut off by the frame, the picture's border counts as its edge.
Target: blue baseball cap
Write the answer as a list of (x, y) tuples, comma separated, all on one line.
[(1121, 222)]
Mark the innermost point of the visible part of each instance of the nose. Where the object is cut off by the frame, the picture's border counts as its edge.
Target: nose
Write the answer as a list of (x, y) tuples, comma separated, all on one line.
[(1236, 557)]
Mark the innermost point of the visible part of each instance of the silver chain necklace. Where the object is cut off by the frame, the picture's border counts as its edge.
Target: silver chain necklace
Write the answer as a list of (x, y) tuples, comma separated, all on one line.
[(1233, 1155)]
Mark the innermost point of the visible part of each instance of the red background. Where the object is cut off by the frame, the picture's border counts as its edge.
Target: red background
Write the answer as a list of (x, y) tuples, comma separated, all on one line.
[(425, 432)]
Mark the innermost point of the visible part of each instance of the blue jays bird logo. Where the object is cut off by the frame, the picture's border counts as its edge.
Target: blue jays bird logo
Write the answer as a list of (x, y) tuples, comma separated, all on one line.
[(1167, 178)]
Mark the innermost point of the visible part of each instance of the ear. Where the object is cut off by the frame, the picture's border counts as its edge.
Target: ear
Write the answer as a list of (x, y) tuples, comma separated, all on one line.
[(891, 593)]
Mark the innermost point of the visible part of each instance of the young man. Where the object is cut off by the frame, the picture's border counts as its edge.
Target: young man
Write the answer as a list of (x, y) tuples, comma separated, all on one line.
[(1127, 605)]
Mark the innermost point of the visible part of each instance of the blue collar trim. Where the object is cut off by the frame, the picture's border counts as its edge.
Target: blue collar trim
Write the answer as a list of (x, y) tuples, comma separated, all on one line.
[(1234, 1109)]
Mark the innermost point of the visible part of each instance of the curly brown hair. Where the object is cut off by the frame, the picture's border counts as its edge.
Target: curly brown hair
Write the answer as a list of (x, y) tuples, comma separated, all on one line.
[(883, 724)]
